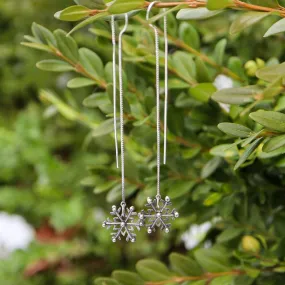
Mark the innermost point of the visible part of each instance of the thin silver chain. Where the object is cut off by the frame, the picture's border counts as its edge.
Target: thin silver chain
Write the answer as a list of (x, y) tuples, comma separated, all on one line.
[(157, 96), (115, 88), (122, 108), (166, 88)]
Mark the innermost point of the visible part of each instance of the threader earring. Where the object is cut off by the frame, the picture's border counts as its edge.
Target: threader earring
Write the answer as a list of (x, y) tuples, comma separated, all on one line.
[(158, 214), (123, 223)]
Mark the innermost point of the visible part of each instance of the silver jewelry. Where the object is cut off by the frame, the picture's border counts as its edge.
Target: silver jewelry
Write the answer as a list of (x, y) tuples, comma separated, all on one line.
[(123, 223), (158, 213), (113, 29)]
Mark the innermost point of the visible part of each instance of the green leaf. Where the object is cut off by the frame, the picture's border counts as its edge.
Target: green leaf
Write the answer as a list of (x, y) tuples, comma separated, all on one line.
[(212, 199), (211, 166), (67, 213), (189, 35), (106, 281), (175, 83), (54, 65), (248, 152), (43, 35), (220, 51), (270, 119), (184, 65), (217, 5), (31, 39), (274, 89), (277, 28), (235, 130), (73, 13), (123, 6), (96, 100), (229, 234), (274, 143), (88, 21), (280, 105), (91, 62), (105, 186), (37, 46), (251, 138), (265, 3), (104, 128), (246, 20), (200, 282), (109, 77), (225, 150), (236, 65), (180, 188), (80, 82), (203, 74), (62, 107), (115, 195), (270, 73), (67, 45), (152, 270), (166, 12), (224, 280), (280, 269), (203, 91), (213, 259), (244, 280), (237, 96), (277, 152), (196, 14), (184, 266), (94, 4), (191, 152), (127, 278)]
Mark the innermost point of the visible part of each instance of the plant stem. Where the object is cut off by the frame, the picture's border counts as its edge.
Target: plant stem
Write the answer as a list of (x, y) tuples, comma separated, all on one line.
[(206, 277), (237, 5), (247, 6), (79, 68)]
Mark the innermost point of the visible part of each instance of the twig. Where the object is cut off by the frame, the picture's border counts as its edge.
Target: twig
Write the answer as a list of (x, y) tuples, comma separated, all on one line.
[(206, 277)]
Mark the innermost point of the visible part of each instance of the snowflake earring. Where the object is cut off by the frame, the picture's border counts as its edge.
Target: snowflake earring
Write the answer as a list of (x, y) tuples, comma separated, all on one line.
[(158, 213), (123, 223)]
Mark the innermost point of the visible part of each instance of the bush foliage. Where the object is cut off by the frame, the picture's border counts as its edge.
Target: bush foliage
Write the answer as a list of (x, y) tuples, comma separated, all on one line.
[(225, 146)]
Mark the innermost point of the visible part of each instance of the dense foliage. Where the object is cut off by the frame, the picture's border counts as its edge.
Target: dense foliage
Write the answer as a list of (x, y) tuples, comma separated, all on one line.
[(225, 147)]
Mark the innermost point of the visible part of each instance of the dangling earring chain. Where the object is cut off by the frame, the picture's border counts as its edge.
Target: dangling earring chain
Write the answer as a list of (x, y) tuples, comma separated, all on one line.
[(122, 108), (156, 36), (158, 215), (113, 28), (165, 88), (123, 223)]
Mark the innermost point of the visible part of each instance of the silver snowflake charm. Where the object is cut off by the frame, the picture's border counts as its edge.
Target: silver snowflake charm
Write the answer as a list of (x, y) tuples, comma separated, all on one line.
[(123, 223), (158, 214)]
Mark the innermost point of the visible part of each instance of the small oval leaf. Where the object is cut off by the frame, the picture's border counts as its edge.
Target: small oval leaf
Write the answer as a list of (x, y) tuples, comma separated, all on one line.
[(73, 13), (80, 82), (274, 144), (152, 270), (235, 130), (54, 65), (270, 119), (247, 153)]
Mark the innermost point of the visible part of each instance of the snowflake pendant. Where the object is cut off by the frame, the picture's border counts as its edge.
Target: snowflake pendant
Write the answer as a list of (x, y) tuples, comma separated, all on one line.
[(158, 215), (123, 223)]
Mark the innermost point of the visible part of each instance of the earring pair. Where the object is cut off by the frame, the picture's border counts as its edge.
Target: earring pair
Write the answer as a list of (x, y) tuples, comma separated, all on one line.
[(157, 214)]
